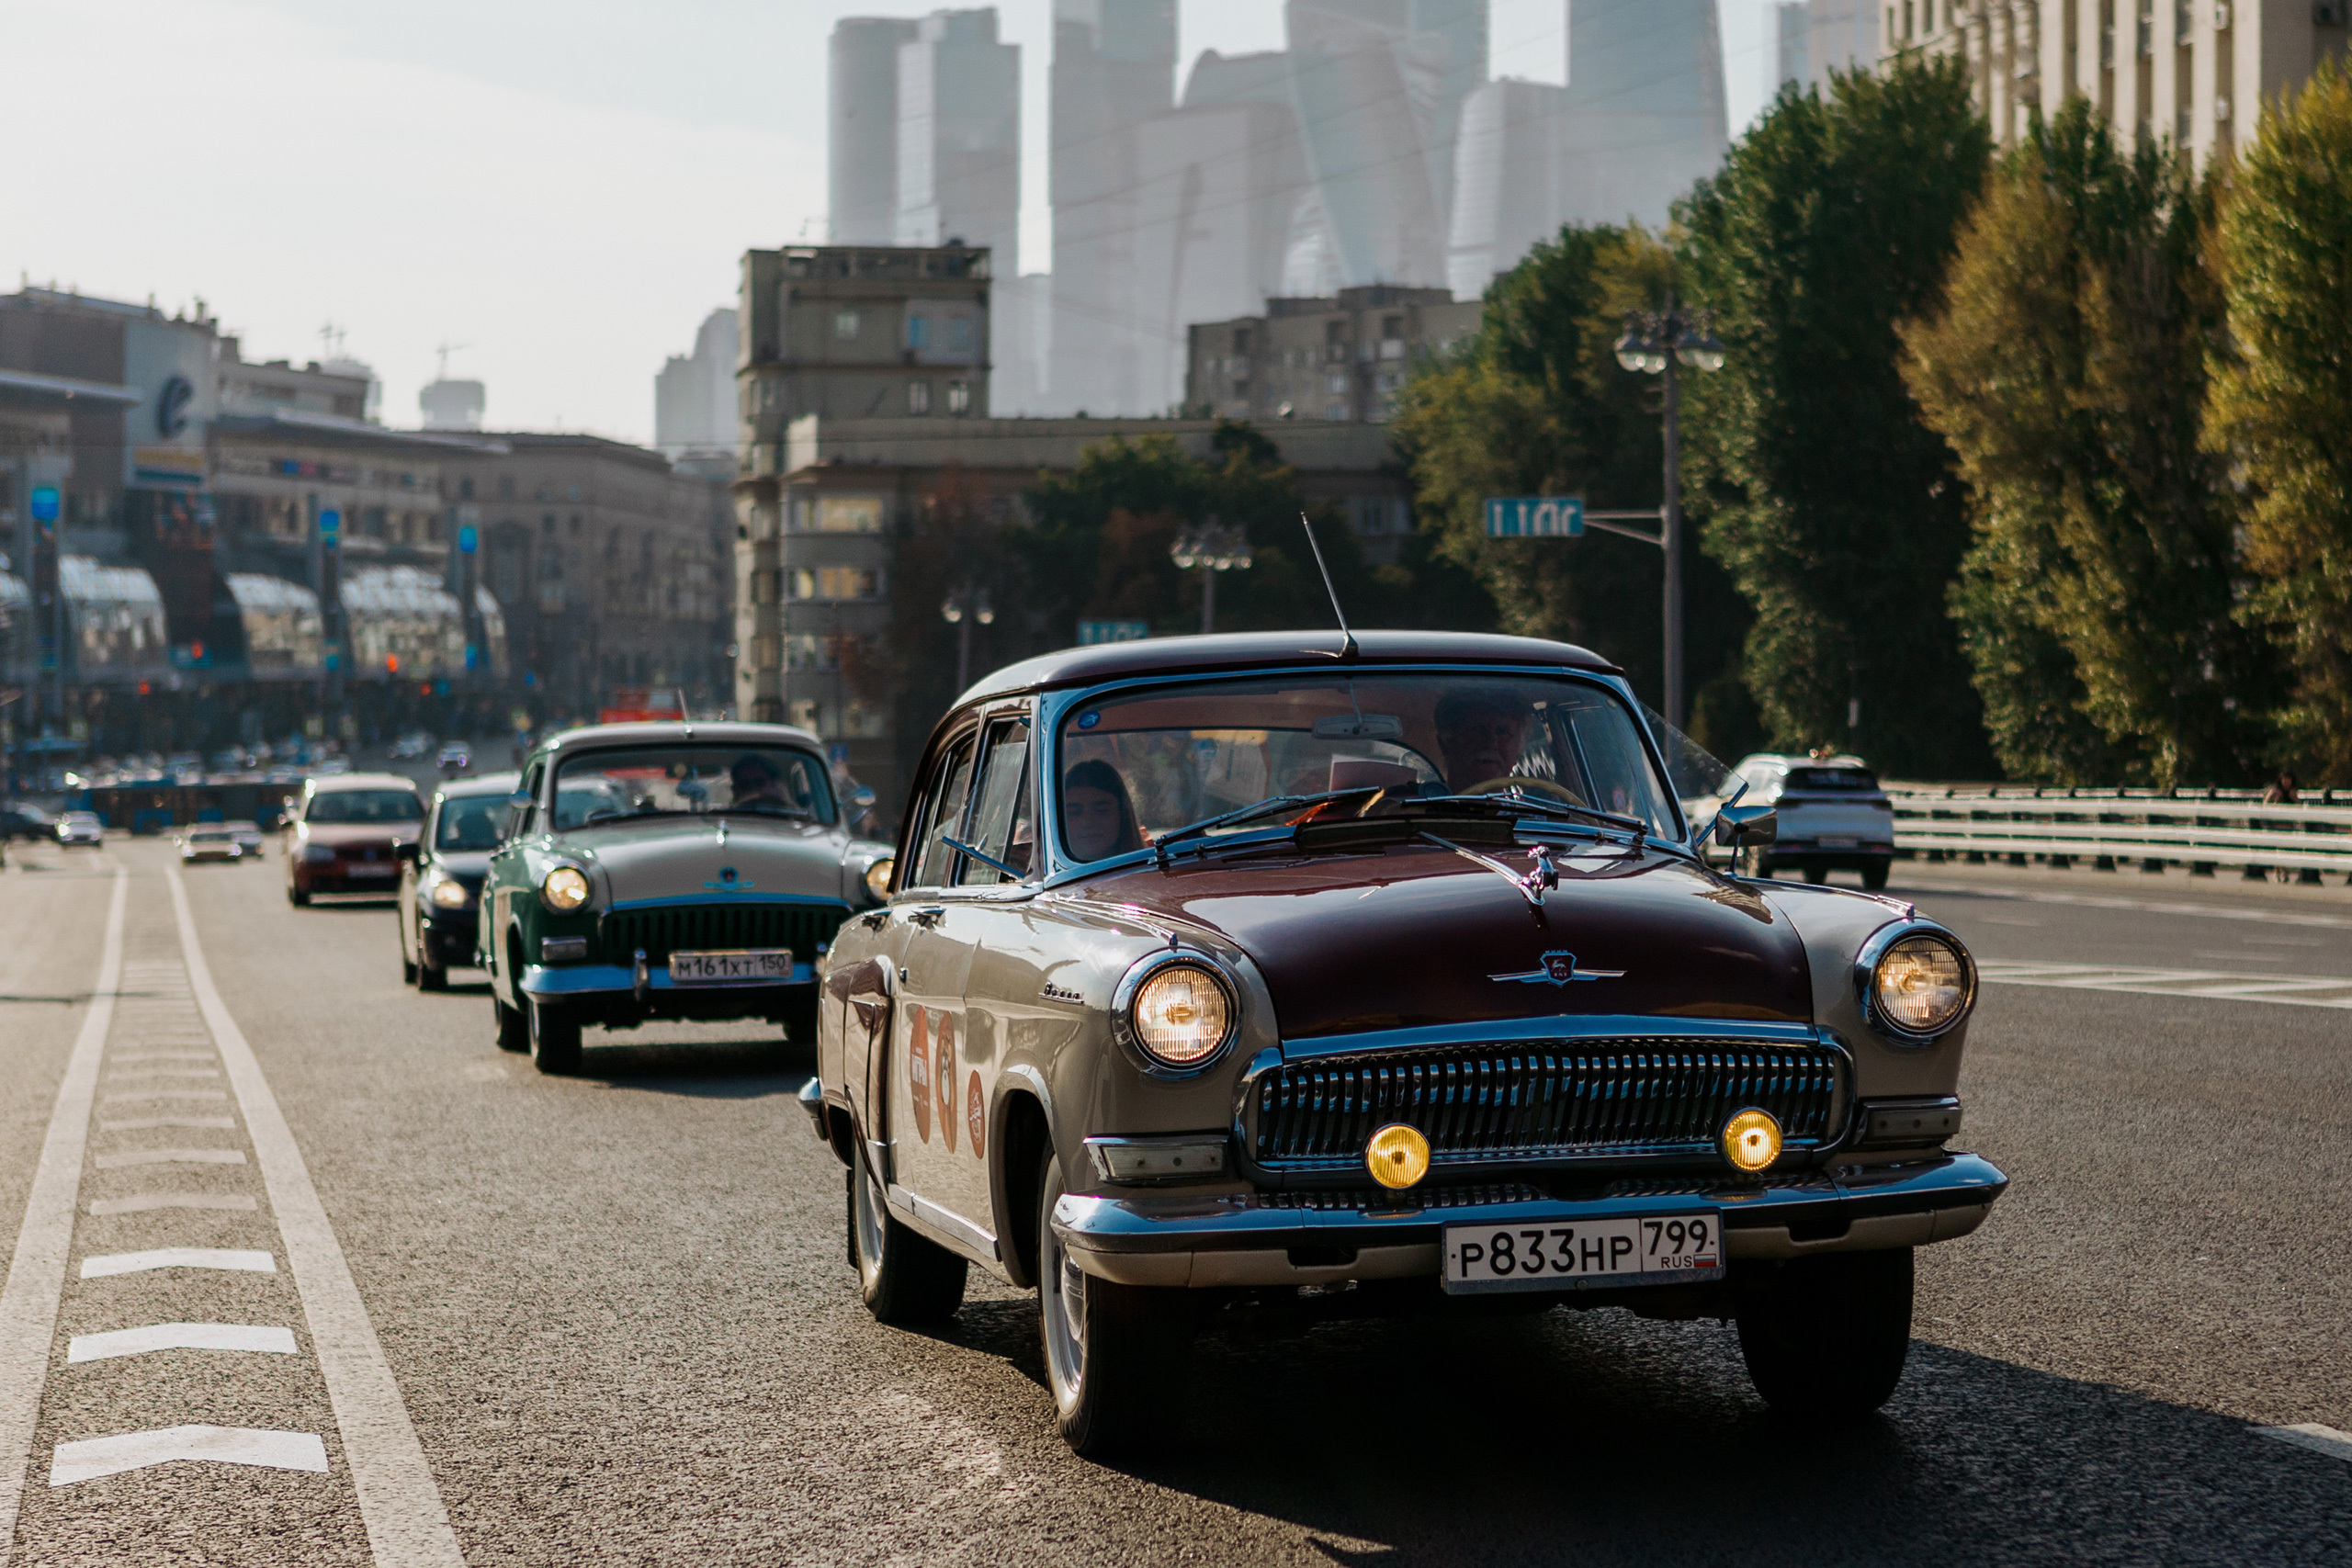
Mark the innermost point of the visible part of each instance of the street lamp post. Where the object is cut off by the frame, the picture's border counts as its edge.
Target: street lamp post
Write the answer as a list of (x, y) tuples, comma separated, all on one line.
[(1657, 342), (1214, 548), (960, 610)]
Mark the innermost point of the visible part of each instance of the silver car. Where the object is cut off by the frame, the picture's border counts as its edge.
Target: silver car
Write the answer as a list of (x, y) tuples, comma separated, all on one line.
[(81, 828), (1832, 815)]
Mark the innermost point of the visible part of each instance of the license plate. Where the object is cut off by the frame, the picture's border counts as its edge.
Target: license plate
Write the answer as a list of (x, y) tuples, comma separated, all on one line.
[(735, 964), (371, 870), (1632, 1249), (1840, 843)]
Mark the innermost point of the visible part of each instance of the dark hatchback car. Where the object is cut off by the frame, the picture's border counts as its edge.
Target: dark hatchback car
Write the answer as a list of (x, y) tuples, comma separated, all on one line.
[(347, 833), (1266, 974), (441, 883)]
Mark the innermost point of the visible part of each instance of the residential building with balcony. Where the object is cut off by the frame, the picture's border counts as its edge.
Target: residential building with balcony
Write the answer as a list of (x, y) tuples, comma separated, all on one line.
[(1342, 358)]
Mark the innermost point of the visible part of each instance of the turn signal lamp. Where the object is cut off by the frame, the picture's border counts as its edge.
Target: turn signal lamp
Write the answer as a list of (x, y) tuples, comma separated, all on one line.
[(877, 878), (1397, 1156), (565, 889), (1751, 1141)]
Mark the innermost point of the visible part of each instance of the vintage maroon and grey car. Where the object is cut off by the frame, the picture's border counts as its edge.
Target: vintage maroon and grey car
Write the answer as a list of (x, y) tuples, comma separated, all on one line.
[(1283, 973)]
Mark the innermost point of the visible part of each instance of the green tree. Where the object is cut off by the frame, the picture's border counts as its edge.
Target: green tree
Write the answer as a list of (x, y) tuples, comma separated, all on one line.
[(1838, 511), (2282, 403), (2067, 370), (1535, 403)]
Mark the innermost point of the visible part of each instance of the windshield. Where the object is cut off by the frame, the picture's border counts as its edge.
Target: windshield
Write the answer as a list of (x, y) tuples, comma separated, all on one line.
[(613, 783), (471, 822), (364, 806), (1140, 764)]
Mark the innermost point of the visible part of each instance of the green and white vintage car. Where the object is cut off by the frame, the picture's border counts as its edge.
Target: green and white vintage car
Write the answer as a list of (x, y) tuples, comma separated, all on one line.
[(670, 871)]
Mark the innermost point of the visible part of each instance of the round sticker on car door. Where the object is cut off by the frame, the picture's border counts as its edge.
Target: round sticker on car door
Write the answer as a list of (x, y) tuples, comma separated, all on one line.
[(919, 1086), (943, 1077), (975, 1118)]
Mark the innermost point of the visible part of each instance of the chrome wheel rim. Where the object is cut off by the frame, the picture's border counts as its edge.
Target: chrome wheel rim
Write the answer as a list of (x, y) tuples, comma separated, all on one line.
[(869, 1226), (1061, 1300)]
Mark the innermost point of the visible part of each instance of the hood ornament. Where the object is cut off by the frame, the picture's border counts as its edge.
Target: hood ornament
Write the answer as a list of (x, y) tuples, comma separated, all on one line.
[(1558, 969), (727, 882), (1541, 872)]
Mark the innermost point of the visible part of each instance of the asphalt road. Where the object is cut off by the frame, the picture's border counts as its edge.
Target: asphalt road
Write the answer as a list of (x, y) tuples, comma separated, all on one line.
[(607, 1319)]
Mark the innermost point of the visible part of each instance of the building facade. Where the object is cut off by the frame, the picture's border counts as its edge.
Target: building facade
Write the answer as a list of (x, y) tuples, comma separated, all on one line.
[(2194, 72), (1341, 359), (1510, 180), (862, 128), (693, 394), (1645, 116)]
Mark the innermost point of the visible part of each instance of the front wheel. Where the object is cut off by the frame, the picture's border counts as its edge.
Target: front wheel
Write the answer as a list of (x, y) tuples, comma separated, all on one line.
[(1826, 1338), (555, 1038), (514, 1031), (430, 977), (903, 1277), (1115, 1355)]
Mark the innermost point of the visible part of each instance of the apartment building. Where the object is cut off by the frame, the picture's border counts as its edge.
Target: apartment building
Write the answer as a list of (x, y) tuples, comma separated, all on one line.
[(1343, 358)]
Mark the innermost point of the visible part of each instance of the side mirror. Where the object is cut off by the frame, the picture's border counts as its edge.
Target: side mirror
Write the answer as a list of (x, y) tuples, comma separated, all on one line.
[(1737, 826), (861, 802)]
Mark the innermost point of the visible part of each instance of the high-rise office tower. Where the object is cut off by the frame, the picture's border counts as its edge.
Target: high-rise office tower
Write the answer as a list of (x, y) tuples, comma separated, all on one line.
[(862, 128), (1113, 71), (1509, 180), (1644, 115), (1842, 35), (1788, 51), (693, 395), (1448, 40), (960, 136), (1364, 88)]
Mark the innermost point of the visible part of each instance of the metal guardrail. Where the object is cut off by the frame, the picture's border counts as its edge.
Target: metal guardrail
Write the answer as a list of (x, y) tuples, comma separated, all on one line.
[(2203, 831)]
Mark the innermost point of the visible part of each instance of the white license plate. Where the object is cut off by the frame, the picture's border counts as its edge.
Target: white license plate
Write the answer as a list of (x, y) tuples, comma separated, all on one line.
[(1632, 1249), (1840, 843), (364, 870), (736, 964)]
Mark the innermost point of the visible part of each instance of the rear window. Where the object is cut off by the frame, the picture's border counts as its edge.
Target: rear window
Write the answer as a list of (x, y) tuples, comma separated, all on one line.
[(1849, 780), (471, 822), (364, 806)]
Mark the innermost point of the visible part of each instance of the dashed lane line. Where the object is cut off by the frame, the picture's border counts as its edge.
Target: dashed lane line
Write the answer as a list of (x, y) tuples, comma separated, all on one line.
[(236, 1260), (36, 1282), (171, 1156), (141, 1203), (2313, 1436), (94, 1456), (2212, 985), (399, 1504), (179, 1337), (2143, 906)]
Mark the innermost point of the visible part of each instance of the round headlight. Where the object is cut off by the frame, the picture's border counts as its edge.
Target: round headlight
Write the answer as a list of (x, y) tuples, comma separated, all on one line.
[(877, 878), (450, 893), (1921, 984), (565, 889), (1180, 1015)]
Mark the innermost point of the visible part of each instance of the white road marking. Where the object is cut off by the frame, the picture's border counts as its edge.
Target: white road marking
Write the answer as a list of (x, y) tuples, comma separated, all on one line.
[(154, 1094), (178, 1336), (164, 1073), (137, 1123), (165, 1056), (94, 1456), (147, 1201), (236, 1260), (36, 1281), (2146, 906), (171, 1156), (407, 1525), (2313, 1436), (2212, 985)]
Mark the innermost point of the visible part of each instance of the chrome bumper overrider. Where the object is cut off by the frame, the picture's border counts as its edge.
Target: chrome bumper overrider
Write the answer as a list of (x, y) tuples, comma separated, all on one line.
[(1246, 1239), (587, 979)]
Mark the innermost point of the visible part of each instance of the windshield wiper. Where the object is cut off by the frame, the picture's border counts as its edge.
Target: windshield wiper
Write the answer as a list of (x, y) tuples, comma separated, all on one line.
[(1280, 802), (1542, 807)]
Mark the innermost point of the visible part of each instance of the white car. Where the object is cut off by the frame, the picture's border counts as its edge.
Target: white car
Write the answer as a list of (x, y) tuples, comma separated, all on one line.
[(1832, 816), (211, 842), (80, 828), (415, 743)]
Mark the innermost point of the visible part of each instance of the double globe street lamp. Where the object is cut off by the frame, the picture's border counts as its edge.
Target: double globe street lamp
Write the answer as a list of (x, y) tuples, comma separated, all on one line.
[(1656, 343), (962, 609), (1213, 546)]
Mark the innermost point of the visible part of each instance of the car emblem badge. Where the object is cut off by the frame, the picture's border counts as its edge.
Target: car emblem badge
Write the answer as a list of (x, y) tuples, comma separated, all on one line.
[(727, 882), (1558, 969)]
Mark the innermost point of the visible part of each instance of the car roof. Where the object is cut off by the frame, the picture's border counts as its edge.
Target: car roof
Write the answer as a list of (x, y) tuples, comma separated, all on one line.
[(677, 732), (481, 784), (337, 783), (1800, 760), (1253, 650)]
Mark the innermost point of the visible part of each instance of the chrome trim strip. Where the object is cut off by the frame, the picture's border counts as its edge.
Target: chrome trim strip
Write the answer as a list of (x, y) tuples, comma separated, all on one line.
[(583, 980), (728, 901), (1556, 1026), (942, 1226)]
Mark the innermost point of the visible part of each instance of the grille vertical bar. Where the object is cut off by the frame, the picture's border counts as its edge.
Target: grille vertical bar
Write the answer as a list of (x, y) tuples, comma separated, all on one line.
[(1552, 1099), (667, 929)]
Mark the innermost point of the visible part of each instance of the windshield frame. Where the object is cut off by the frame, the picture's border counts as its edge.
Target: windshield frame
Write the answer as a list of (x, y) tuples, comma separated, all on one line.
[(1055, 706), (551, 783)]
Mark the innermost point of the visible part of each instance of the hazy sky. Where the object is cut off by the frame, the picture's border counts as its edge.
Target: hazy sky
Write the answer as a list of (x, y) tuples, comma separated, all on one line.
[(563, 189)]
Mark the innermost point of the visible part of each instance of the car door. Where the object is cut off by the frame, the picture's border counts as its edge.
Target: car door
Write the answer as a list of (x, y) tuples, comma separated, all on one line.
[(508, 873)]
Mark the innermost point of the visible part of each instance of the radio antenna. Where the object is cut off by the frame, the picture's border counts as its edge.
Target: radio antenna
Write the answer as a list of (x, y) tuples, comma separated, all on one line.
[(1347, 638)]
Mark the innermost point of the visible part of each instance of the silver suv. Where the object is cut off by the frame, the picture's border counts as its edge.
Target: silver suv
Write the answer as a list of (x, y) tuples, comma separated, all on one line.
[(1833, 816)]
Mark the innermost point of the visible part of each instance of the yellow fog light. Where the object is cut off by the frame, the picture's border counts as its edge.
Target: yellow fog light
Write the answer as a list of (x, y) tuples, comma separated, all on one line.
[(1399, 1156), (1751, 1140)]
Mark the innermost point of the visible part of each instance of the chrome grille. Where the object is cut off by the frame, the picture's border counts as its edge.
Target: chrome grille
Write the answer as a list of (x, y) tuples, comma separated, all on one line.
[(1545, 1099), (668, 928)]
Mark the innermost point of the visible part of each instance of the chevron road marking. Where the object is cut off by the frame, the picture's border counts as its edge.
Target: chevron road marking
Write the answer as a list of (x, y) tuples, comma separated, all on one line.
[(141, 1203), (2316, 991), (171, 1156), (236, 1261), (178, 1336), (137, 1123), (167, 1094), (94, 1456)]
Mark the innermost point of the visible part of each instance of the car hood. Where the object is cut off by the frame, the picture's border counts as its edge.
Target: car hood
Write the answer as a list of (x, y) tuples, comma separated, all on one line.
[(1414, 936), (687, 858)]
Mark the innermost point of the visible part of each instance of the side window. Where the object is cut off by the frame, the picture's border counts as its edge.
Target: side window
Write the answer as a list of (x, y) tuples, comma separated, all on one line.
[(1000, 826), (945, 818)]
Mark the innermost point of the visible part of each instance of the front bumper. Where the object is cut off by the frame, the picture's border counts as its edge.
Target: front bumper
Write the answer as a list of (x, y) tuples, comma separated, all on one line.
[(1272, 1240), (609, 994), (447, 938)]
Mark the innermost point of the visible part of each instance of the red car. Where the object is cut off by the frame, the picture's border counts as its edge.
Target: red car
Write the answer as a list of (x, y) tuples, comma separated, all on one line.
[(344, 836)]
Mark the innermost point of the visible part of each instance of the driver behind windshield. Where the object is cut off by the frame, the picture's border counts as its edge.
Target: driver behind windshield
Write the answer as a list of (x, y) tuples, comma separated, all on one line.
[(1482, 733), (757, 783)]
